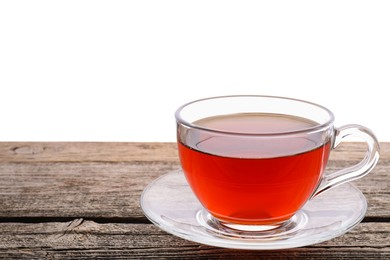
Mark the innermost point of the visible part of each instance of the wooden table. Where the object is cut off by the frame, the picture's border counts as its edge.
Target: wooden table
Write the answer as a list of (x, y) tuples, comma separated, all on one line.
[(81, 200)]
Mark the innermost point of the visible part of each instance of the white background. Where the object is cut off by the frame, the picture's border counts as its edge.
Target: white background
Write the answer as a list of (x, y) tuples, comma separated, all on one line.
[(117, 70)]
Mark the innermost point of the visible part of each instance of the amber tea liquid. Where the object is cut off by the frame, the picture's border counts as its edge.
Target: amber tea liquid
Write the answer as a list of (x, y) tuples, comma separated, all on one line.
[(244, 181)]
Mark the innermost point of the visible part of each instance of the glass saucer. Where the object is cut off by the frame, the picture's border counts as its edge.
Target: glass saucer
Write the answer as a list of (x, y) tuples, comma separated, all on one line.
[(170, 204)]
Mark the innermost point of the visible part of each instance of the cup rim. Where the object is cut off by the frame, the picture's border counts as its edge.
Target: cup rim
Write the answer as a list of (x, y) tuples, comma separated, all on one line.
[(316, 128)]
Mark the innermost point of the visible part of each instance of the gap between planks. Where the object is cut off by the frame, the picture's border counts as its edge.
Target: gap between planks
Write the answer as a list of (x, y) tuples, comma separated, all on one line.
[(124, 220)]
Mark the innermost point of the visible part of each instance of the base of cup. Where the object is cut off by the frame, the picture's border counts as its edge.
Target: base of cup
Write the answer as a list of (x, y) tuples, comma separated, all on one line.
[(282, 229)]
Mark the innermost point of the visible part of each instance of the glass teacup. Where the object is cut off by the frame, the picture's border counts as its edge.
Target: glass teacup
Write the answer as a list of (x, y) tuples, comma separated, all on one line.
[(254, 161)]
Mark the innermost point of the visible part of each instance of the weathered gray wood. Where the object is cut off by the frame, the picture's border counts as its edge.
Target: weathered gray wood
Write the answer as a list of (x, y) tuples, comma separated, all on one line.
[(130, 152), (113, 189), (79, 238), (49, 183), (87, 152), (74, 189)]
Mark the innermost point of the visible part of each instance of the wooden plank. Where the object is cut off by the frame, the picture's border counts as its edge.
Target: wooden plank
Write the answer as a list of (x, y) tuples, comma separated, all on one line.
[(130, 152), (113, 190), (47, 183), (87, 152), (79, 239), (74, 189)]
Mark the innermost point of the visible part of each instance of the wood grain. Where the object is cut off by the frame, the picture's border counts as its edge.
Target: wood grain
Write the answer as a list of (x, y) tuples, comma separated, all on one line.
[(97, 190), (87, 152), (81, 200), (77, 238), (132, 151), (112, 190)]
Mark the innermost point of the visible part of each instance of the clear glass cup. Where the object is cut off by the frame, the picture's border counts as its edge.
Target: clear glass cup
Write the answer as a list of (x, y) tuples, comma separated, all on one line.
[(254, 161)]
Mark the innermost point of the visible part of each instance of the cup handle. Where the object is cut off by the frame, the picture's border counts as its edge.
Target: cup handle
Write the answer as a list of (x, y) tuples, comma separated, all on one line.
[(356, 171)]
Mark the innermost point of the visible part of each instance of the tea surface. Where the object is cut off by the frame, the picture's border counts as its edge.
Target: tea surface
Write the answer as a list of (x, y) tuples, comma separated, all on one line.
[(256, 123)]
